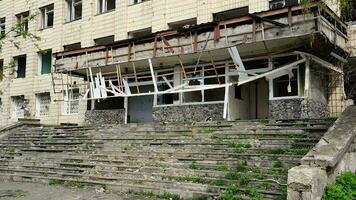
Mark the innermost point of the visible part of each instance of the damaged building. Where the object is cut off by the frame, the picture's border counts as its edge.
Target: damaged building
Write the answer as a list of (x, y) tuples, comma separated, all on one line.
[(170, 61)]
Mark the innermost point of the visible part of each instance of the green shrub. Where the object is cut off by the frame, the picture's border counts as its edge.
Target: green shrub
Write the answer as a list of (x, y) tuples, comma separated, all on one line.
[(343, 189)]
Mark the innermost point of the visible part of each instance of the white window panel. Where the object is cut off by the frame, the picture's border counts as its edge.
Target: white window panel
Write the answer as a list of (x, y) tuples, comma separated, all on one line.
[(43, 102)]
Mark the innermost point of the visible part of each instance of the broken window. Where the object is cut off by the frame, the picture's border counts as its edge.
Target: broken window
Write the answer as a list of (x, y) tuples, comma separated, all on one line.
[(104, 40), (140, 33), (106, 5), (22, 22), (43, 102), (71, 102), (71, 47), (230, 14), (18, 106), (165, 81), (138, 1), (184, 24), (47, 16), (257, 65), (287, 85), (2, 27), (74, 10), (20, 62), (206, 75), (45, 59)]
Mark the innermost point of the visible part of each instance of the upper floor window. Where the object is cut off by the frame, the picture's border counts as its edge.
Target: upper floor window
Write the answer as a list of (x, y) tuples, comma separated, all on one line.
[(2, 27), (74, 10), (138, 1), (20, 62), (47, 13), (106, 5), (22, 22)]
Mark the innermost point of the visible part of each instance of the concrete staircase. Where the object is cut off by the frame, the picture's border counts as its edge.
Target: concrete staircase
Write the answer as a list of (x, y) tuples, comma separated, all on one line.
[(172, 161)]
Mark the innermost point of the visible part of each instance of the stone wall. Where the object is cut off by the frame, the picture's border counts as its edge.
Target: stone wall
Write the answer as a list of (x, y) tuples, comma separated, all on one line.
[(334, 153), (299, 108), (188, 113), (100, 117)]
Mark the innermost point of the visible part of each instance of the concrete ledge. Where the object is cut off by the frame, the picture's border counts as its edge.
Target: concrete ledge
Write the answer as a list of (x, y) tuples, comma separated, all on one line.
[(335, 143), (333, 154)]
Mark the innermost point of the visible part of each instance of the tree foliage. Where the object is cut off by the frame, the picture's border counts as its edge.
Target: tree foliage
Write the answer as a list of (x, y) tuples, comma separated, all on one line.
[(343, 189), (21, 32)]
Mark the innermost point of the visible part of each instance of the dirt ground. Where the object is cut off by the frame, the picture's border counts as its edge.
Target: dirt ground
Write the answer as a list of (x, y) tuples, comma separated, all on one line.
[(30, 191)]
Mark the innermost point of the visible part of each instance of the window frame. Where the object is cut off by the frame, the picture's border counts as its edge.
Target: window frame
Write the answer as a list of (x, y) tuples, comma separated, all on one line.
[(102, 6), (40, 62), (45, 11), (271, 87), (3, 25), (17, 66), (69, 98), (39, 105), (24, 19), (71, 14)]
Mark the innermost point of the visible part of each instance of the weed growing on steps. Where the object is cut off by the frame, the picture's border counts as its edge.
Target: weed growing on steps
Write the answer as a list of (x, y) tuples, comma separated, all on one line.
[(343, 189), (69, 184), (165, 195), (222, 168), (202, 180), (193, 165), (233, 192), (13, 193)]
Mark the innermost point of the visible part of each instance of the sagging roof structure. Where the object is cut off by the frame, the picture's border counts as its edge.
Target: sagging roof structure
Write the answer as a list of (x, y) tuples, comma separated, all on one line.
[(317, 35)]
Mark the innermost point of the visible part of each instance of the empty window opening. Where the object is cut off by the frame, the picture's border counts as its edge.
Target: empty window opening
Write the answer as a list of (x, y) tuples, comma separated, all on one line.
[(71, 47), (47, 16), (138, 1), (165, 80), (43, 102), (45, 60), (206, 75), (283, 60), (2, 27), (74, 10), (105, 40), (18, 106), (287, 85), (1, 69), (22, 22), (184, 24), (71, 102), (238, 92), (257, 66), (230, 14), (140, 33), (20, 62), (106, 5), (110, 103)]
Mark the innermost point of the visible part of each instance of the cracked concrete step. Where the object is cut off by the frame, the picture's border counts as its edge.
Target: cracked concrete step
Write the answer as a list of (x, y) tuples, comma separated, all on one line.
[(190, 189)]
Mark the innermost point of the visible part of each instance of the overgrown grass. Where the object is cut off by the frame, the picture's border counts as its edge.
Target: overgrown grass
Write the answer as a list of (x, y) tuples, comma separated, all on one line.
[(69, 184)]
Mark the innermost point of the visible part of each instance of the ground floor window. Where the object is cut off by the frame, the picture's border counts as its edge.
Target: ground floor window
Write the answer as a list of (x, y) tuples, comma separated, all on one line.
[(71, 102), (18, 106), (287, 85), (204, 75), (43, 102)]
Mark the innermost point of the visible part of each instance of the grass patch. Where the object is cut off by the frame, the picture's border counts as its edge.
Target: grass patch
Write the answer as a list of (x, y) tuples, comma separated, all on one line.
[(233, 192), (69, 184), (222, 168), (55, 182), (193, 165), (343, 189), (197, 179)]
